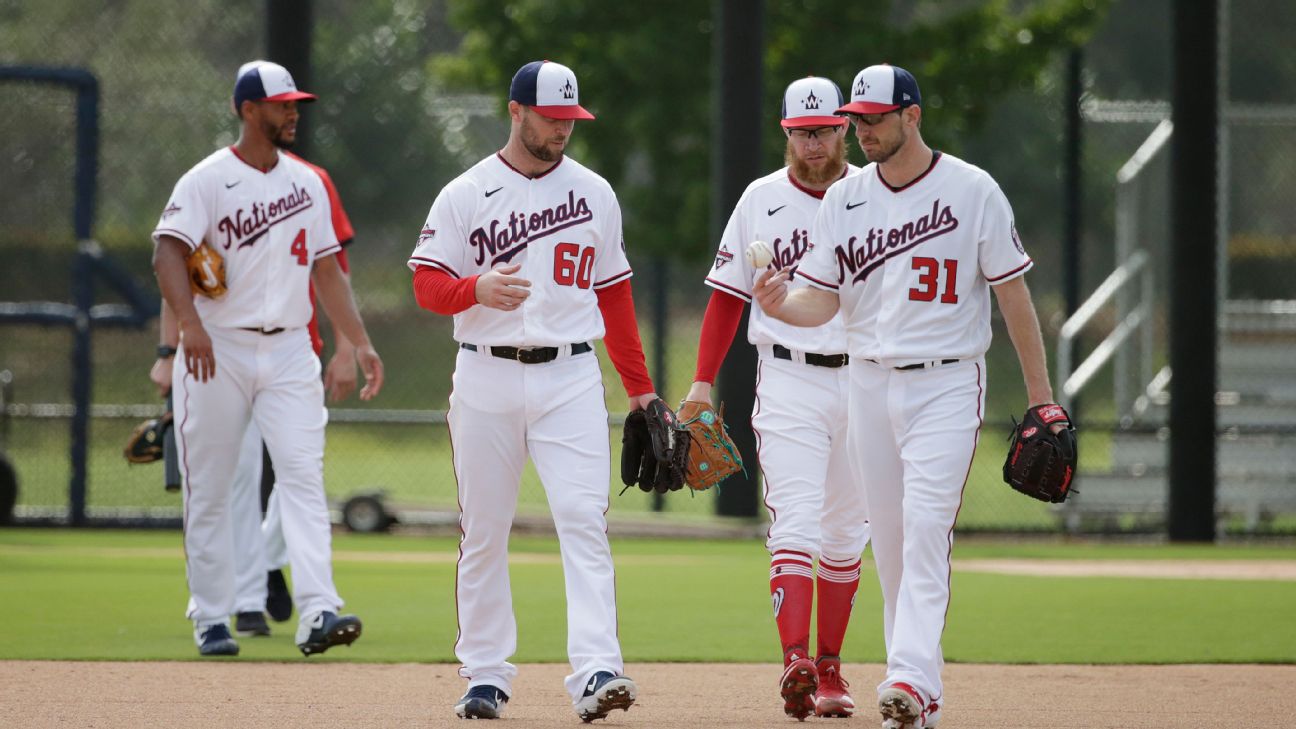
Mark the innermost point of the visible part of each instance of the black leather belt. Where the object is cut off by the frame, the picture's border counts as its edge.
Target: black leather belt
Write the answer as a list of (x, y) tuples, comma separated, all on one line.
[(818, 360), (922, 365), (262, 330), (533, 355)]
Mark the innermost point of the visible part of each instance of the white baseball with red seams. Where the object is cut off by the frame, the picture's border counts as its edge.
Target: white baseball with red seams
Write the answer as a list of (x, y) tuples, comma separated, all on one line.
[(270, 227), (759, 254), (912, 267), (800, 415), (564, 228)]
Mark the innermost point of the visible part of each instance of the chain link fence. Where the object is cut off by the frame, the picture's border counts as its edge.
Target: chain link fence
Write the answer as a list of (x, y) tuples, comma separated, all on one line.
[(391, 137)]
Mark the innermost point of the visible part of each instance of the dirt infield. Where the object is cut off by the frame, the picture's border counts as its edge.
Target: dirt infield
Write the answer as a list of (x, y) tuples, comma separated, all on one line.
[(283, 695)]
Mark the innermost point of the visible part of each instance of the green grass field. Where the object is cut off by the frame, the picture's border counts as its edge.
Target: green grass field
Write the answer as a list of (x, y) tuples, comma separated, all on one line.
[(101, 595), (411, 463)]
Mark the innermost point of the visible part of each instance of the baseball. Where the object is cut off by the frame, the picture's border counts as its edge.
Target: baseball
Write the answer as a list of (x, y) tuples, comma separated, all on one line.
[(759, 254)]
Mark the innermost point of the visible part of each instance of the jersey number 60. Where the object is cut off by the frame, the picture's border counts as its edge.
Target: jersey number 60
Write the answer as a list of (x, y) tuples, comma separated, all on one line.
[(573, 265)]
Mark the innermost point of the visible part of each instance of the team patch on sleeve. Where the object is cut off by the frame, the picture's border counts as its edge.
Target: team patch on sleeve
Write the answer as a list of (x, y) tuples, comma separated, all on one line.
[(426, 235), (723, 257)]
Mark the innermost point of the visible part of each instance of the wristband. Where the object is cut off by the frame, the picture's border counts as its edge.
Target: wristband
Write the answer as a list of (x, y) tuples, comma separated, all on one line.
[(164, 351)]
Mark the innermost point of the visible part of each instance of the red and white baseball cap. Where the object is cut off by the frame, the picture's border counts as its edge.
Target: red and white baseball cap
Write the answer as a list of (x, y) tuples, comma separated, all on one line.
[(266, 81), (549, 88), (882, 88), (811, 102)]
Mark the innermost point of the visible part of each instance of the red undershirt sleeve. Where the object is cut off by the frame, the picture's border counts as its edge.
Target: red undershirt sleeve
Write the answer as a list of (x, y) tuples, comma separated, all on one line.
[(622, 338), (436, 290), (719, 325)]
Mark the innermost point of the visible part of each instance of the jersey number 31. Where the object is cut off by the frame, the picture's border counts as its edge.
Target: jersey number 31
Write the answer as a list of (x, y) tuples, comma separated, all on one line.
[(929, 270), (573, 265)]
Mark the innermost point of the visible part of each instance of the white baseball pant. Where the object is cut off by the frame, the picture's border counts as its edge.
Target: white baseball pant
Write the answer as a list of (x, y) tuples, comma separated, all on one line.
[(501, 410), (272, 380), (816, 500), (914, 432), (245, 510)]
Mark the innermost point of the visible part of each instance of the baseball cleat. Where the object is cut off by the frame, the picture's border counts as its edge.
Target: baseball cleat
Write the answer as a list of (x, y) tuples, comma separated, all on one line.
[(797, 686), (278, 597), (901, 706), (603, 693), (249, 624), (325, 630), (832, 699), (931, 717), (215, 640), (482, 702)]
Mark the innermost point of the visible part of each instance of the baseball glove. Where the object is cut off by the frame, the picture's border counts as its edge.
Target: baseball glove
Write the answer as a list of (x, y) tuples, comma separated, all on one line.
[(654, 449), (712, 455), (145, 443), (206, 272), (1042, 463)]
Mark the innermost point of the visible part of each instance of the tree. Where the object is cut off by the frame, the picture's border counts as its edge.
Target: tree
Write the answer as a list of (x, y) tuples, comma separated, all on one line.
[(648, 76)]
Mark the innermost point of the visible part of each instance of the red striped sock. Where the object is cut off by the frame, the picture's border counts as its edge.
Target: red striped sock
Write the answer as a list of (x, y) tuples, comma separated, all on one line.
[(792, 591), (837, 582)]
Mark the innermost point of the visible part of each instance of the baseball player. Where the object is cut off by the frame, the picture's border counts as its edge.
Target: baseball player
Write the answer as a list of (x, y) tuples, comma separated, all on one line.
[(246, 355), (814, 498), (258, 541), (245, 502), (339, 382), (908, 251), (525, 250)]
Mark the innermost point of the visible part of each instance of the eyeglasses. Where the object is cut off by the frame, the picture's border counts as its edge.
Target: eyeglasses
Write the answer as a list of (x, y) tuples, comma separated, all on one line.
[(821, 134), (872, 120)]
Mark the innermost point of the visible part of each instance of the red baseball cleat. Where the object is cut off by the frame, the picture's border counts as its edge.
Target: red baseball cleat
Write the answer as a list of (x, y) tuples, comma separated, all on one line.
[(902, 707), (798, 685), (831, 698)]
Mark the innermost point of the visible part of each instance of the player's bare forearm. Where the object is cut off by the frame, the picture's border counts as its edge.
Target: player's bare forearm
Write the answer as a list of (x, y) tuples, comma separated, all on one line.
[(340, 374), (699, 392), (334, 290), (168, 330), (1024, 330), (806, 307), (809, 307), (173, 281), (168, 336)]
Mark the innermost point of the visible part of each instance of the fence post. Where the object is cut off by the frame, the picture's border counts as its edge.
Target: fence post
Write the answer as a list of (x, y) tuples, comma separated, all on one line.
[(661, 275), (737, 120)]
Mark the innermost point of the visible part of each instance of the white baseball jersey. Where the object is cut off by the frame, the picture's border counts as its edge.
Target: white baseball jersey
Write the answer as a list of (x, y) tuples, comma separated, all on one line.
[(268, 226), (912, 264), (564, 227), (779, 211)]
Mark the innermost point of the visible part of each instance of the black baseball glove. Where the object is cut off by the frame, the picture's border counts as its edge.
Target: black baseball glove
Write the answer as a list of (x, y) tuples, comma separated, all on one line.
[(1042, 463), (654, 449), (145, 442)]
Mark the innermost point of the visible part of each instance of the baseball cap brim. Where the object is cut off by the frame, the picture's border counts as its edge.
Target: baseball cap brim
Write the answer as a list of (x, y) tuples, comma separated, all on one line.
[(867, 107), (812, 121), (290, 96), (568, 111)]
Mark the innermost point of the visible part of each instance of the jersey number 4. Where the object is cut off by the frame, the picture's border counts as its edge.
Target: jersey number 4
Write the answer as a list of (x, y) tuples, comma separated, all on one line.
[(298, 248), (573, 265), (929, 280)]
